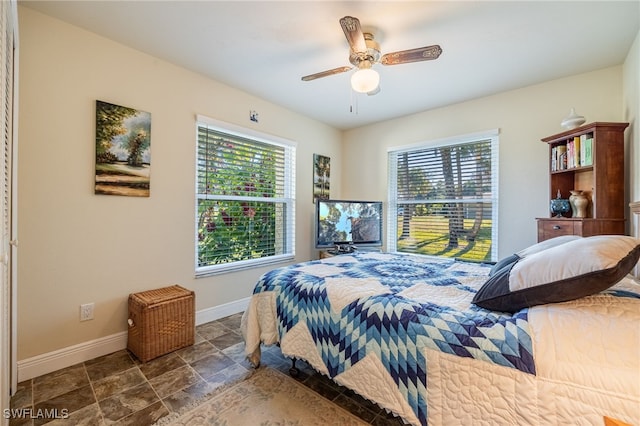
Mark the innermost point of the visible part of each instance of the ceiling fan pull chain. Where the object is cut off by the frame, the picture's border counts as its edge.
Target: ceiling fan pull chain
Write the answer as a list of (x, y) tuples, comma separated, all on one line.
[(351, 109), (350, 101)]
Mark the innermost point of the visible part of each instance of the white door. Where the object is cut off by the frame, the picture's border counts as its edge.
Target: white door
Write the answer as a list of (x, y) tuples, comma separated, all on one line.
[(8, 32)]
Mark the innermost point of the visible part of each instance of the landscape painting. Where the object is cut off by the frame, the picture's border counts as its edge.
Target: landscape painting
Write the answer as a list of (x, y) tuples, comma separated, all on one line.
[(321, 175), (123, 150)]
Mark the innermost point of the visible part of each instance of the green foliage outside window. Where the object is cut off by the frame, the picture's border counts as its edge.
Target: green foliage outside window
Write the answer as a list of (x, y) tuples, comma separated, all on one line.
[(239, 181), (230, 231)]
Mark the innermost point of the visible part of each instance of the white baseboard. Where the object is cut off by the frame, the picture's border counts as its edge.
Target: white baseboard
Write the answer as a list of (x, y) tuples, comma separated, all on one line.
[(221, 311), (71, 355)]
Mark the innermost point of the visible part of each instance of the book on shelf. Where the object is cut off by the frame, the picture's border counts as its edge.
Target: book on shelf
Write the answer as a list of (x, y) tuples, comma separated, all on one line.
[(573, 152), (559, 157), (588, 151)]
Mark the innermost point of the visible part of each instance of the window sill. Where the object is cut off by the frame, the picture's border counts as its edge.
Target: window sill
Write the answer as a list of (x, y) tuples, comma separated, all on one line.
[(208, 271)]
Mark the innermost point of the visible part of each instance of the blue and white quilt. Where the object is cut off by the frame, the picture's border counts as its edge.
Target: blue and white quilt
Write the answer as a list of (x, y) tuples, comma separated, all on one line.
[(386, 309)]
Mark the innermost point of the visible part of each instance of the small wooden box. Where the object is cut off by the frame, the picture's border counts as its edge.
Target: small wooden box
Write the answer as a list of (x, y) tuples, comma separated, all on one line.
[(160, 321)]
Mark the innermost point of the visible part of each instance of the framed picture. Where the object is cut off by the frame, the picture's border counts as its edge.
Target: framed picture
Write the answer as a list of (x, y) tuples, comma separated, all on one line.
[(123, 150), (321, 177)]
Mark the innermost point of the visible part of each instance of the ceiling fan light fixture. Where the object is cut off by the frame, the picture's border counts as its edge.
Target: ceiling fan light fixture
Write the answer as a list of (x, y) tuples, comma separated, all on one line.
[(365, 80)]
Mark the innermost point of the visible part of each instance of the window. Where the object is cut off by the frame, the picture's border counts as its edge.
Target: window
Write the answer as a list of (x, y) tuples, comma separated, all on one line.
[(245, 198), (443, 198)]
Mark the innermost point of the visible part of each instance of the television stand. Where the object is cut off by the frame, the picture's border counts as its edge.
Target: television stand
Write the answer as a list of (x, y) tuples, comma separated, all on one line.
[(346, 249), (338, 249)]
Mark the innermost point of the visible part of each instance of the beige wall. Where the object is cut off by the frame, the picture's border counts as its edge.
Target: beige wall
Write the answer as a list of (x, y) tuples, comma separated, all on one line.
[(523, 116), (77, 247), (630, 111)]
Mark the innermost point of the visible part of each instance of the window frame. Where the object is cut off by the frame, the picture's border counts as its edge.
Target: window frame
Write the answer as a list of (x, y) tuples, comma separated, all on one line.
[(288, 199), (392, 183)]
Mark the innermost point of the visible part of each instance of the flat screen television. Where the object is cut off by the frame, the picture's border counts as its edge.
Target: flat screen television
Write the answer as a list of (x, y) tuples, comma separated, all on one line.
[(348, 223)]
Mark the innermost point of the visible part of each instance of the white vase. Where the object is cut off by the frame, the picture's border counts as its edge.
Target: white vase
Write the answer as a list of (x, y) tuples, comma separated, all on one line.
[(573, 120)]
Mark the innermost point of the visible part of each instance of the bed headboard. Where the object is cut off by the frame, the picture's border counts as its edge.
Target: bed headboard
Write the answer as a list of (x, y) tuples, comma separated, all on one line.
[(635, 212)]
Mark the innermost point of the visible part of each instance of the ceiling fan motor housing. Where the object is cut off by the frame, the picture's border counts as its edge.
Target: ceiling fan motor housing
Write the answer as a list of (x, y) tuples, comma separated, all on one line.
[(372, 54)]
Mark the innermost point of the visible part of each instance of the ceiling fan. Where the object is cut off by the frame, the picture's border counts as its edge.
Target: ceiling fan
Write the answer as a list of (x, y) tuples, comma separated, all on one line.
[(364, 51)]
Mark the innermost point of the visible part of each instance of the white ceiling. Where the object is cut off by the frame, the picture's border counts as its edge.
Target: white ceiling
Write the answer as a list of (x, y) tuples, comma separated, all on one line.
[(264, 47)]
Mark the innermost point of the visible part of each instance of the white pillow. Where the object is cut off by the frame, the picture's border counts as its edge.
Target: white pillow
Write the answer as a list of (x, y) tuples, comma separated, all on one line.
[(552, 242), (568, 271), (547, 244)]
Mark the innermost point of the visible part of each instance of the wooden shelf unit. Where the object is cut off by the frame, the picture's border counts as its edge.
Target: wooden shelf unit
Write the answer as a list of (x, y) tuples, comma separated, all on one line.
[(602, 182)]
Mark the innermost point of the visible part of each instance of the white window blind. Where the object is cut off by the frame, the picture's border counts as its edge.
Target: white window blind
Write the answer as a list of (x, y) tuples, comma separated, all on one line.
[(245, 198), (443, 198)]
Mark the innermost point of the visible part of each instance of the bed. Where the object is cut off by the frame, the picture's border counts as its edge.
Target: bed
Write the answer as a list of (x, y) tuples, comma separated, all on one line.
[(411, 333)]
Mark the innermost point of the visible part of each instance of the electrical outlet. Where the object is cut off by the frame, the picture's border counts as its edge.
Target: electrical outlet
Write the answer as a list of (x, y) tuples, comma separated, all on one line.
[(86, 312)]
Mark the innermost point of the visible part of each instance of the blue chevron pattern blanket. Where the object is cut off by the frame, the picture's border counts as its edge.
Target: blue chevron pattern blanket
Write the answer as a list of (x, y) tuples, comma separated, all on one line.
[(395, 306)]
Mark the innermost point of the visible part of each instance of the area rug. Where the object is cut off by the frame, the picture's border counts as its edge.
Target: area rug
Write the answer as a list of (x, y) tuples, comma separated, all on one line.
[(267, 397)]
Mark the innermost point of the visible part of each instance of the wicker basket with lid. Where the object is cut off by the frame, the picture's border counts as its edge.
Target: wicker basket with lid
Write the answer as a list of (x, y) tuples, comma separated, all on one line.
[(160, 321)]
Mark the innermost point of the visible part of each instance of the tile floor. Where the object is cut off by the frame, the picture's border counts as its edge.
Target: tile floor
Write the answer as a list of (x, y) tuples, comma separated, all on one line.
[(117, 389)]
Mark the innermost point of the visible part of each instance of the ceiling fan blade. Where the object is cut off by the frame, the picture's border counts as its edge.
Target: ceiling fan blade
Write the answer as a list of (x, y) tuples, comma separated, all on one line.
[(353, 32), (325, 73), (426, 53)]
